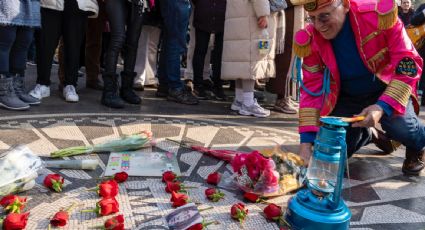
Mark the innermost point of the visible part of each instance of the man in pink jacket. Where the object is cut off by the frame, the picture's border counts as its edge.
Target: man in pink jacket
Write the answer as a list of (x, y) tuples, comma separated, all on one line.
[(358, 60)]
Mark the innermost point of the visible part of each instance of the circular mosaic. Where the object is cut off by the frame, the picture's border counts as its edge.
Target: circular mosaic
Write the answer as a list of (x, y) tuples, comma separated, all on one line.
[(377, 193), (143, 200)]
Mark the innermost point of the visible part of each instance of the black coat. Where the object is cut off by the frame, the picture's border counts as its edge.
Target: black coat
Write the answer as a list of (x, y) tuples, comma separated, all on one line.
[(209, 15)]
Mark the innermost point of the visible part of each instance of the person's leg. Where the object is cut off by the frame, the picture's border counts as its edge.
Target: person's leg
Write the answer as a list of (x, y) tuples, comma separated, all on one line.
[(17, 63), (202, 40), (410, 131), (142, 58), (176, 18), (93, 47), (250, 107), (237, 102), (8, 98), (134, 28), (51, 22), (73, 30), (151, 67), (46, 42), (117, 12), (216, 67), (7, 38)]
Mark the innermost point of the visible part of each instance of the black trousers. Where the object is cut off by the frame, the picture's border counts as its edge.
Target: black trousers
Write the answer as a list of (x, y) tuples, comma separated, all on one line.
[(69, 24), (202, 39), (125, 20)]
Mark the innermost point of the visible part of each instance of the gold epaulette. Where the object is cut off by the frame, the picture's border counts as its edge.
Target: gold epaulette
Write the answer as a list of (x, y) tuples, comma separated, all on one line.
[(387, 14), (301, 45)]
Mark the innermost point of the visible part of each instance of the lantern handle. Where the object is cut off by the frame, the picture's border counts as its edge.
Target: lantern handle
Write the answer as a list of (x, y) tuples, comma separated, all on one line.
[(339, 183)]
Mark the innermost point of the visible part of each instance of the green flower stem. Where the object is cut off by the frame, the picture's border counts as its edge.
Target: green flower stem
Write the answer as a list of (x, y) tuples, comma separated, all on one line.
[(205, 209), (70, 208)]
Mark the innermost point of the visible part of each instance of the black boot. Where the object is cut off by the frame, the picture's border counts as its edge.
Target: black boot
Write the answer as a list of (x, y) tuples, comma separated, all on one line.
[(110, 96), (414, 163), (126, 92)]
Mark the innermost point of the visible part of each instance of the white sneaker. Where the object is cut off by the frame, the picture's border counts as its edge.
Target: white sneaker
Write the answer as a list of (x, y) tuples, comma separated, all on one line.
[(40, 91), (254, 110), (236, 105), (70, 94)]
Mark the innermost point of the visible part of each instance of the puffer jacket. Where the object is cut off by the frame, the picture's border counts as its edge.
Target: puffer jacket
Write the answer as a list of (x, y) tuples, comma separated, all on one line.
[(241, 57), (89, 6)]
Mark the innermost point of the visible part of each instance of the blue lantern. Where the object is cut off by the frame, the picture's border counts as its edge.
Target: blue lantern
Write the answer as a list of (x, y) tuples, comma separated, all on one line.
[(319, 206)]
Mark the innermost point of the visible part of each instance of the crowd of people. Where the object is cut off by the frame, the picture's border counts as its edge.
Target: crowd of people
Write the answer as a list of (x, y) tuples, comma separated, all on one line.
[(151, 39)]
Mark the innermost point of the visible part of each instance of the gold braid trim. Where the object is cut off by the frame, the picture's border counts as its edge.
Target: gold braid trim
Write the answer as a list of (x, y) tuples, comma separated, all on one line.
[(301, 50), (399, 91), (387, 20), (309, 117), (312, 69)]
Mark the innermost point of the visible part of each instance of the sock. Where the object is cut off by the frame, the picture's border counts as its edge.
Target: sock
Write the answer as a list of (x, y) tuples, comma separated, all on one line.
[(238, 94), (248, 98)]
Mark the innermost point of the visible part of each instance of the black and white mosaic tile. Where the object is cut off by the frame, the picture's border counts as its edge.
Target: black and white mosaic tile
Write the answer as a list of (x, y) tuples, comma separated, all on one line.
[(379, 196)]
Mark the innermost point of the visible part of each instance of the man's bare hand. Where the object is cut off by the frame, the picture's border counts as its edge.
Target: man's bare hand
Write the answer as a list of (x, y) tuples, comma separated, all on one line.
[(372, 114), (262, 22), (306, 149)]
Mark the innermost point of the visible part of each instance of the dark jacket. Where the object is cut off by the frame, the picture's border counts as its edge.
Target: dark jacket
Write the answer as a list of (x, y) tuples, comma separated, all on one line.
[(418, 17), (406, 17), (209, 15)]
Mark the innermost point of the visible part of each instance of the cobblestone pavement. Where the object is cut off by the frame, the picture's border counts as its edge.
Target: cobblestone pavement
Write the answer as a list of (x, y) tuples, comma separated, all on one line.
[(379, 196)]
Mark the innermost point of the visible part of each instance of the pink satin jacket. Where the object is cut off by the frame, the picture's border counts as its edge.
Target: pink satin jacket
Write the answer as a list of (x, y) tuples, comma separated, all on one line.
[(383, 45)]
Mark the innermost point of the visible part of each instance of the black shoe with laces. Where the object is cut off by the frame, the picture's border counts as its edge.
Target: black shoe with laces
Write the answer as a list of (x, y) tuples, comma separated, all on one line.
[(200, 93), (219, 94), (182, 96), (161, 91)]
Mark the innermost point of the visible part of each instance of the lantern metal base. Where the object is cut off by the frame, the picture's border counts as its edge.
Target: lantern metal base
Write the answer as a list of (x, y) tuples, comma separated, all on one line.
[(302, 214)]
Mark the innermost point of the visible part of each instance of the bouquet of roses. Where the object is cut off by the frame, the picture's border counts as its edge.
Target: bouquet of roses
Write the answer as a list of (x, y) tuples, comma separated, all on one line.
[(126, 143), (268, 172)]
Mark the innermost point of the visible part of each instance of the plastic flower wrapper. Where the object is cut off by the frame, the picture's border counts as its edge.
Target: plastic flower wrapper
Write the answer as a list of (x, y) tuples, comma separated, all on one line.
[(18, 167), (126, 143), (268, 172)]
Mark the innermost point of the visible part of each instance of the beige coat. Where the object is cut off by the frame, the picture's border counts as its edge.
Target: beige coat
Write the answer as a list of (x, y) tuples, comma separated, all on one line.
[(90, 6), (241, 58)]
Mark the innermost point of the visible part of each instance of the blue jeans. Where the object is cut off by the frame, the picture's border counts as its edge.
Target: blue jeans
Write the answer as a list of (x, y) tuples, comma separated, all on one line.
[(406, 128), (14, 45), (175, 15)]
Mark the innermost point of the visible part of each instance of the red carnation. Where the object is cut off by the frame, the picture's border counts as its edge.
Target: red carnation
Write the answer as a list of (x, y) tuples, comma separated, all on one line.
[(173, 186), (214, 178), (239, 212), (273, 212), (169, 176), (15, 221), (115, 223), (120, 177), (108, 189), (13, 203), (178, 199), (60, 219), (105, 207), (252, 197), (54, 181), (201, 226), (213, 194), (198, 226)]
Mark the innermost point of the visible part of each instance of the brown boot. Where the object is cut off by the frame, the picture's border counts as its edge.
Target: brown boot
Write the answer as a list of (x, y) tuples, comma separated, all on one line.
[(413, 164), (382, 142)]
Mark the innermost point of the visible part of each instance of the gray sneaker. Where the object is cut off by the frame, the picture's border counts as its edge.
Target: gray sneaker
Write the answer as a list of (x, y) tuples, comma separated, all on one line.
[(8, 98), (236, 105), (254, 110)]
